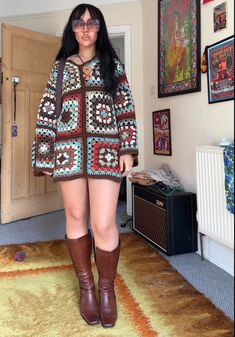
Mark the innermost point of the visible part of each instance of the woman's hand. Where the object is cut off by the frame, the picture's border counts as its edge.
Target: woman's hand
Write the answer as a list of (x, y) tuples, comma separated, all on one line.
[(126, 163), (47, 173)]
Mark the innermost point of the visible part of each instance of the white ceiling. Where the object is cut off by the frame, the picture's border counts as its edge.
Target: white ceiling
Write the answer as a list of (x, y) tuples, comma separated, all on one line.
[(25, 7)]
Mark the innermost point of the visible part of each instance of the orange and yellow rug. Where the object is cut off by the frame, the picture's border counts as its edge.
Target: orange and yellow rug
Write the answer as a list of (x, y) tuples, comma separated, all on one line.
[(39, 296)]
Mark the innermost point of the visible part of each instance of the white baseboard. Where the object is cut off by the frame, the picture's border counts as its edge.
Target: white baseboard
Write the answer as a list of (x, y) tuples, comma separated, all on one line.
[(218, 254)]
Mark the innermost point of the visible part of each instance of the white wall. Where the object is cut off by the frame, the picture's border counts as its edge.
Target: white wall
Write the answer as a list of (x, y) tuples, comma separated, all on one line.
[(24, 7), (193, 120)]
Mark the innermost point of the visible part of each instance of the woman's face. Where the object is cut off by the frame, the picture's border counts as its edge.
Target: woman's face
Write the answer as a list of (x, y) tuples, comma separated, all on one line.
[(86, 36)]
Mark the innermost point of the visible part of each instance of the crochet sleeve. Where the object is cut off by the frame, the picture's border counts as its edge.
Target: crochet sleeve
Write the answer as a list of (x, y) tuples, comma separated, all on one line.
[(45, 133), (125, 113)]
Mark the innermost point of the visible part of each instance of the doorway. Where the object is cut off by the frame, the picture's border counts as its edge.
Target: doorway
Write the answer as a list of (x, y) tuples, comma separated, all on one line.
[(118, 45), (120, 37)]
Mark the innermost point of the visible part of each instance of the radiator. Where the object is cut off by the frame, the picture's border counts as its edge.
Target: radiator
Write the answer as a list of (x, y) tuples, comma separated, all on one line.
[(214, 220)]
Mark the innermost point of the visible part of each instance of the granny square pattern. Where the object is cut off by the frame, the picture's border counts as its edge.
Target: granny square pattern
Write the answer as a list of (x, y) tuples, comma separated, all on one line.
[(94, 128), (68, 158), (100, 116), (103, 156), (47, 107), (127, 132), (70, 119), (71, 78), (124, 102), (95, 79)]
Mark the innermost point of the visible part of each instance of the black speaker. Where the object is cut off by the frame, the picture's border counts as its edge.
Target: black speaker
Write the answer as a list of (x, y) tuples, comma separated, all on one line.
[(167, 221)]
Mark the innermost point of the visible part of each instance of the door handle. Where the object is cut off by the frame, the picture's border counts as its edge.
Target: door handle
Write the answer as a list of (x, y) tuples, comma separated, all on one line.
[(15, 80)]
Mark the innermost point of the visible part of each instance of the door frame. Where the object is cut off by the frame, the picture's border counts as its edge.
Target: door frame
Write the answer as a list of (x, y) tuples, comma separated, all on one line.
[(125, 32)]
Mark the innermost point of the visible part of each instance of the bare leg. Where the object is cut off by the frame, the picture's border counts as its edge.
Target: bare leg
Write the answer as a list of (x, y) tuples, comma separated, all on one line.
[(76, 204), (103, 202), (79, 242), (103, 195)]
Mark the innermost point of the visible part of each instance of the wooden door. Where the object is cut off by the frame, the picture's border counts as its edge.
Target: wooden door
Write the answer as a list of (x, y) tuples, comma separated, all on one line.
[(28, 55)]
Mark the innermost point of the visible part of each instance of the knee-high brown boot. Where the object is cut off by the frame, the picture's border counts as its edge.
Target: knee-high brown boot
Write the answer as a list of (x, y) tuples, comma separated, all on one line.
[(80, 251), (107, 268)]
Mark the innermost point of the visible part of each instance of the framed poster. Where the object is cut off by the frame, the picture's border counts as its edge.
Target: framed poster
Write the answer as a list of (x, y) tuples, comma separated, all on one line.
[(179, 51), (220, 74), (162, 132)]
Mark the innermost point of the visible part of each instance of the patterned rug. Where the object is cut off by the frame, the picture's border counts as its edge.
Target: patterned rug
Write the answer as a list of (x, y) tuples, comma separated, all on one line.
[(39, 296)]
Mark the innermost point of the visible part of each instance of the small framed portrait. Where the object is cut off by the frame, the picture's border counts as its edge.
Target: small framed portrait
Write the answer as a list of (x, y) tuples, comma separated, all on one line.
[(220, 73), (162, 132), (220, 17)]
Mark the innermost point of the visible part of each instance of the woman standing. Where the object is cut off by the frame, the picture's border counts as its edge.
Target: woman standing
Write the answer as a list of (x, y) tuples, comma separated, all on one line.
[(88, 149)]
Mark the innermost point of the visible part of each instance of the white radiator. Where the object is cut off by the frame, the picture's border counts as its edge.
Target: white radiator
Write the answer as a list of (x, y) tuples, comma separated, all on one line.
[(214, 220)]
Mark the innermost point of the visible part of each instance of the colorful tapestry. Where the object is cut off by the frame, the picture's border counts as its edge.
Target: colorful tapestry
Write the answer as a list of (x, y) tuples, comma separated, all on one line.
[(229, 176)]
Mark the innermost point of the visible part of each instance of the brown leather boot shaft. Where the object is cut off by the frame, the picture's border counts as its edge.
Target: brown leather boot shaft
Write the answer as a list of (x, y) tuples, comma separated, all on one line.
[(107, 268), (80, 252)]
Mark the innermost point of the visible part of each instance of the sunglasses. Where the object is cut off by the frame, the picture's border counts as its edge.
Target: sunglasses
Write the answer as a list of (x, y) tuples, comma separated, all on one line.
[(93, 25)]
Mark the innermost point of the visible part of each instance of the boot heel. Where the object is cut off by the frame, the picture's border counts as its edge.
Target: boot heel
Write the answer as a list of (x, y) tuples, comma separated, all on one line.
[(80, 251), (107, 269)]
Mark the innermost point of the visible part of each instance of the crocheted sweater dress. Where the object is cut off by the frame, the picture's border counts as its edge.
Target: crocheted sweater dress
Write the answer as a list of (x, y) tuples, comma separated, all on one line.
[(93, 128)]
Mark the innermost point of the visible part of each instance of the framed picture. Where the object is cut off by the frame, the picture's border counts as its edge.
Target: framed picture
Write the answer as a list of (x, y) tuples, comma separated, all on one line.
[(220, 73), (179, 51), (220, 17), (162, 132)]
